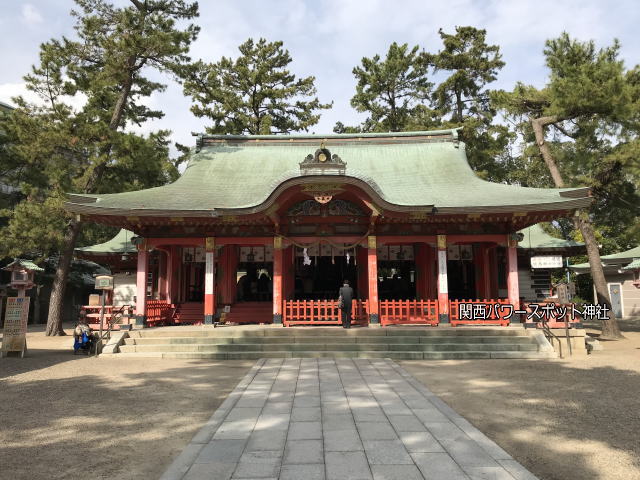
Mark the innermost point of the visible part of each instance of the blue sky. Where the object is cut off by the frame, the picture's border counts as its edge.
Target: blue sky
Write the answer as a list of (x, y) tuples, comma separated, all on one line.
[(327, 38)]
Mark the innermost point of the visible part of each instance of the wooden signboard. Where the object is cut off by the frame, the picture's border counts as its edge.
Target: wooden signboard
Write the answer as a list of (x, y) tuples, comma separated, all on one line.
[(14, 336)]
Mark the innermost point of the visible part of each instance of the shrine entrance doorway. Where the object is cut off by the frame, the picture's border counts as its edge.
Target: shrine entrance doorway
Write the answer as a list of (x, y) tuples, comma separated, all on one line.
[(319, 277)]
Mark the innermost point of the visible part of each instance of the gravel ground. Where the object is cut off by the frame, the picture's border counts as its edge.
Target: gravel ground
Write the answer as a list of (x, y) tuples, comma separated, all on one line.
[(66, 417), (570, 419)]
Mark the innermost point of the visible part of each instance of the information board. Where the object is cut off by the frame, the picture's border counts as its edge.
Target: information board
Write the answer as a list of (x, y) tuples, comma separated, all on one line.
[(546, 261), (14, 335)]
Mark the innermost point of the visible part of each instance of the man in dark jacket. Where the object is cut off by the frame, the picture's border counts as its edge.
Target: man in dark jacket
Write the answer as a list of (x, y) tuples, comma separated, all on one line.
[(346, 293)]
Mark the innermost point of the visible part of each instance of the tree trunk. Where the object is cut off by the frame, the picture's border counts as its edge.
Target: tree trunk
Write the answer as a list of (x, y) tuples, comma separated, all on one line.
[(610, 328), (538, 125), (54, 318), (56, 302)]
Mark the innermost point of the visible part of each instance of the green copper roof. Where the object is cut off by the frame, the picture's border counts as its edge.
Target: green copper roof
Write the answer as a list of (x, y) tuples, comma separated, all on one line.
[(613, 260), (635, 265), (121, 243), (536, 238), (20, 263), (239, 174)]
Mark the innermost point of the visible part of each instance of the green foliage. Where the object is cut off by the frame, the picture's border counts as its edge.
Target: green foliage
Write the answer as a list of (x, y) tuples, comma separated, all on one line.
[(472, 65), (592, 106), (390, 90), (51, 149), (255, 94), (398, 96)]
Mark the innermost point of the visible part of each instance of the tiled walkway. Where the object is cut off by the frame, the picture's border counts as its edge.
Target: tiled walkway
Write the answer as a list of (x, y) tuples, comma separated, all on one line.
[(339, 419)]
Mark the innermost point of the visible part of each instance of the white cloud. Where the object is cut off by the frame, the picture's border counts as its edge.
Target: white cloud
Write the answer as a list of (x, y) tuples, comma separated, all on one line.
[(10, 90), (31, 15)]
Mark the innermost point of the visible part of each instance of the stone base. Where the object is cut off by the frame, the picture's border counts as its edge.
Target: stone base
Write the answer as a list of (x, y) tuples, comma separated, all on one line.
[(443, 318), (374, 319), (277, 319), (208, 319), (141, 321), (576, 339)]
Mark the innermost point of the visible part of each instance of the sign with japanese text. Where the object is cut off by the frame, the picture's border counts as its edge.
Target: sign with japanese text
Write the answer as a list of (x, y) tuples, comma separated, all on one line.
[(14, 335), (546, 261)]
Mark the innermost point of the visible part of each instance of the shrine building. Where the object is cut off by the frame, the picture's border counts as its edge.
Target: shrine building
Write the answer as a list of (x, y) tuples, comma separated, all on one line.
[(263, 229)]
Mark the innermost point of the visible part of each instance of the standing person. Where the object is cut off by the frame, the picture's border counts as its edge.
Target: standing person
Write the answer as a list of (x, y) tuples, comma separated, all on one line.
[(346, 294)]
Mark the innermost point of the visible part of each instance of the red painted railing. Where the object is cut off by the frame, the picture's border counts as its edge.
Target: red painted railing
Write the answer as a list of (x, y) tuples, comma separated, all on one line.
[(412, 312), (159, 312), (482, 312), (93, 315), (321, 312)]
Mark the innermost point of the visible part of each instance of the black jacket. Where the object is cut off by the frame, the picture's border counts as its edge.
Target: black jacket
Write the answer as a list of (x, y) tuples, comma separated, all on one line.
[(347, 294)]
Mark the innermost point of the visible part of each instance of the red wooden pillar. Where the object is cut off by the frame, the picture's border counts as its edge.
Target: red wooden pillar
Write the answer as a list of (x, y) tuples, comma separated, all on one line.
[(443, 282), (493, 272), (432, 279), (372, 271), (173, 270), (277, 280), (288, 274), (486, 271), (481, 261), (162, 275), (423, 270), (228, 265), (362, 258), (209, 281), (513, 288), (141, 284)]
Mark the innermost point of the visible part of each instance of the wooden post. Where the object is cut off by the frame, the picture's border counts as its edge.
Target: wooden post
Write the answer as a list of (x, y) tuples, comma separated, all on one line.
[(209, 281), (443, 282), (141, 284), (372, 271), (513, 287), (277, 280)]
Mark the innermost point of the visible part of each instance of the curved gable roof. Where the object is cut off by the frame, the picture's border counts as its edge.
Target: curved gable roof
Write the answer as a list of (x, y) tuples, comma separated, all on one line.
[(413, 169)]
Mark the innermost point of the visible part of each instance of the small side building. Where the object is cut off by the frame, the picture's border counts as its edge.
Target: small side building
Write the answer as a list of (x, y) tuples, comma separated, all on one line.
[(622, 272)]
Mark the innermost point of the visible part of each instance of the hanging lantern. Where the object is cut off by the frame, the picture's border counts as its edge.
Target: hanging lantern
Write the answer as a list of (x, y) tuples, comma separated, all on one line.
[(251, 256)]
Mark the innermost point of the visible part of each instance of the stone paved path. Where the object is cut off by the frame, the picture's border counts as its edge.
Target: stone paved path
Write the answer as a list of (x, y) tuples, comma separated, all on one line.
[(339, 419)]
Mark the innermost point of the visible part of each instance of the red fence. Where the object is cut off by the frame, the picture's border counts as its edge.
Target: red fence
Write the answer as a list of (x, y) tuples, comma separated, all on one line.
[(480, 312), (159, 312), (321, 312), (411, 312)]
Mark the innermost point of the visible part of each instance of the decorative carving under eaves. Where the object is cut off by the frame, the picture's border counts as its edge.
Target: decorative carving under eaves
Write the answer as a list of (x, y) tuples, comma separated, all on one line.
[(334, 208)]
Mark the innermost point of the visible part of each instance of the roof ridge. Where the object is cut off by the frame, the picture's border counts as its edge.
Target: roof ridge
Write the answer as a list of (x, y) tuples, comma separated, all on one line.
[(452, 132)]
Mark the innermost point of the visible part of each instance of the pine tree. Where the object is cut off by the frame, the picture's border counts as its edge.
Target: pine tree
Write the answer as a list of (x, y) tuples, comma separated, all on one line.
[(87, 150), (590, 103), (254, 94), (392, 90)]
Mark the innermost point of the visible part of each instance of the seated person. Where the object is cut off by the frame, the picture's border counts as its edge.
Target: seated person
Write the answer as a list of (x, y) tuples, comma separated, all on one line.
[(82, 333)]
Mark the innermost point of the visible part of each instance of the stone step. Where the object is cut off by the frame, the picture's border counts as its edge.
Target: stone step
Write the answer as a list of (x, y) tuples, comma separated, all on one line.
[(209, 340), (313, 331), (348, 354), (339, 347)]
